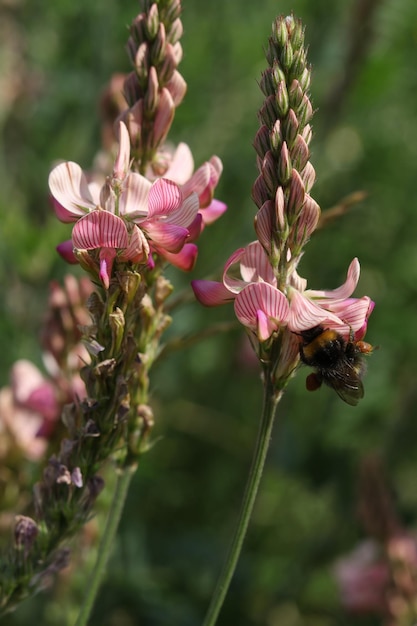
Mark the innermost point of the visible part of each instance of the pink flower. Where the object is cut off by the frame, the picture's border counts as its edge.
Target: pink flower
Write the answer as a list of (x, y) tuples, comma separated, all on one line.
[(124, 217), (259, 305), (179, 168), (29, 409), (363, 577), (334, 309)]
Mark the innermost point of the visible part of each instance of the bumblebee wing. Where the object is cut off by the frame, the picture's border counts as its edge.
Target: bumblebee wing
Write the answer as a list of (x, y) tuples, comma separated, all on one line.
[(346, 382)]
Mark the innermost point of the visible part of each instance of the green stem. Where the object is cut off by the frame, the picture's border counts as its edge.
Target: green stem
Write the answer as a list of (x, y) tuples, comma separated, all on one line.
[(271, 399), (106, 543)]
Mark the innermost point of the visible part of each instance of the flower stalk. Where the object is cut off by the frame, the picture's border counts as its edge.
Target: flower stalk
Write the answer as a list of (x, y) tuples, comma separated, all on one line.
[(125, 229), (270, 401), (270, 299), (119, 497)]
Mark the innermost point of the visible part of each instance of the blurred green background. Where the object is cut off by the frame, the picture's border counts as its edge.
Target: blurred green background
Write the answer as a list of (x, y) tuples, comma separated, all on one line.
[(55, 59)]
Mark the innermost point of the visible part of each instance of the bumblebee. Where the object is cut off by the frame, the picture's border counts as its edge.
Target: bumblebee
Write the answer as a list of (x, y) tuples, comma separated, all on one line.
[(338, 363)]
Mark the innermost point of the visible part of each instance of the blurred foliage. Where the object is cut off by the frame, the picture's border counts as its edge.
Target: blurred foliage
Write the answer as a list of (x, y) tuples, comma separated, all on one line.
[(55, 60)]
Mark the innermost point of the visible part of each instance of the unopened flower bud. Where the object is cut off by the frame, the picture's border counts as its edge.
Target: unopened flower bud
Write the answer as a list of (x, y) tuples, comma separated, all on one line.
[(159, 46), (150, 100), (263, 224), (308, 176), (282, 99), (305, 79), (172, 10), (177, 87), (297, 35), (175, 32), (280, 31), (307, 134), (269, 172), (151, 22), (117, 325), (291, 128), (268, 112), (129, 282), (298, 62), (295, 94), (141, 63), (278, 76), (266, 83), (299, 153), (276, 138), (259, 192), (296, 196), (163, 119), (132, 90), (168, 66), (305, 111), (284, 165), (137, 29), (280, 208), (262, 141), (287, 56)]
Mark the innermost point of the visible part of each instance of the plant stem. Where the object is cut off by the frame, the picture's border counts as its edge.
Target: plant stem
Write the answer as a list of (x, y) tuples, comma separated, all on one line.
[(271, 399), (116, 509)]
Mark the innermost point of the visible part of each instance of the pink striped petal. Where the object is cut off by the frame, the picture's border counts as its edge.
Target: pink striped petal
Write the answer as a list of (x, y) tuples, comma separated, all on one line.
[(264, 326), (305, 314), (186, 213), (121, 164), (355, 313), (133, 201), (164, 116), (216, 168), (198, 181), (169, 237), (100, 229), (196, 227), (185, 260), (255, 265), (233, 284), (177, 87), (182, 165), (263, 224), (211, 293), (215, 209), (138, 249), (342, 292), (164, 197), (69, 188), (262, 308)]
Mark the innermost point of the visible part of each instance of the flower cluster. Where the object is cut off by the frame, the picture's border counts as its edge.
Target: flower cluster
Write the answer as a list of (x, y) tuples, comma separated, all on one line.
[(270, 299), (31, 406), (129, 217), (154, 87), (379, 577)]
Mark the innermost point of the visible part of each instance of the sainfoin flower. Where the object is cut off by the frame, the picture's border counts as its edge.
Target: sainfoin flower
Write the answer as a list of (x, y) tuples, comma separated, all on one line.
[(128, 216), (178, 166), (263, 308)]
